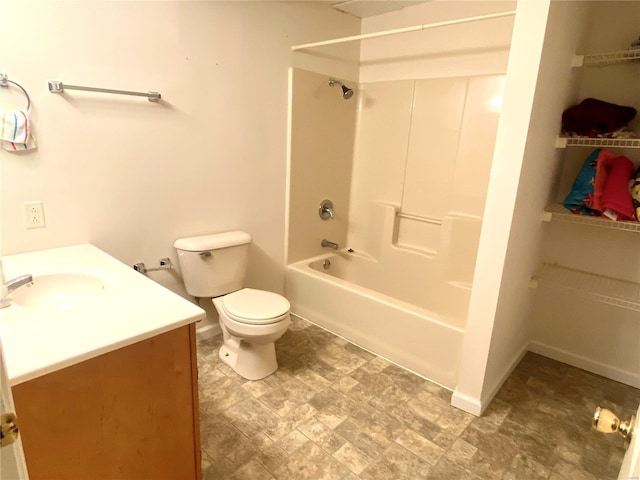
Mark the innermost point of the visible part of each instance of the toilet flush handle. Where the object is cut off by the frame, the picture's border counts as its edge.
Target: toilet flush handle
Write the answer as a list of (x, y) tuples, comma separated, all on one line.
[(204, 255)]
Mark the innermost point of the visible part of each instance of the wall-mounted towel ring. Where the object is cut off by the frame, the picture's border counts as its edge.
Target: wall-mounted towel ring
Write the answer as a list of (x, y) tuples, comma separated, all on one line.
[(4, 83)]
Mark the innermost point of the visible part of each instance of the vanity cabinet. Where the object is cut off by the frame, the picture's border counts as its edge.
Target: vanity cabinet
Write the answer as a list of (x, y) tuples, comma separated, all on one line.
[(128, 414)]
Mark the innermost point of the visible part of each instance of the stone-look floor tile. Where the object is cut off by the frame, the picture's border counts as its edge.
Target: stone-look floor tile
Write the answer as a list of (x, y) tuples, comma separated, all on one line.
[(376, 365), (362, 440), (447, 469), (406, 381), (340, 358), (495, 448), (312, 463), (369, 385), (460, 452), (291, 421), (566, 471), (272, 456), (276, 379), (257, 388), (420, 446), (223, 394), (250, 417), (427, 406), (556, 429), (312, 380), (344, 384), (217, 435), (361, 352), (332, 410), (242, 452), (454, 421), (353, 458), (524, 467), (292, 442), (487, 467), (322, 435), (390, 397), (412, 420), (286, 397), (252, 470), (381, 427), (397, 463), (333, 407), (219, 467), (537, 446)]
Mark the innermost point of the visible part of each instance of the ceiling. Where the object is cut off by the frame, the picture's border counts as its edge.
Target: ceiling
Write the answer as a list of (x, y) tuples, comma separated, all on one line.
[(369, 8)]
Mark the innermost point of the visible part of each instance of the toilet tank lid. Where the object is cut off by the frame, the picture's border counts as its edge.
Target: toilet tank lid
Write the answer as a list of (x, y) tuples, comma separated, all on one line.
[(211, 242)]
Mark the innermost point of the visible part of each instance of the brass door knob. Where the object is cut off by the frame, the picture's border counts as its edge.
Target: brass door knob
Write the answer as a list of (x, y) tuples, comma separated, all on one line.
[(605, 421), (8, 429)]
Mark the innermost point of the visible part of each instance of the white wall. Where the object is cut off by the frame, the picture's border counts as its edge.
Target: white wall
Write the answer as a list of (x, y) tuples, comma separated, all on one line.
[(459, 50), (525, 161), (131, 176)]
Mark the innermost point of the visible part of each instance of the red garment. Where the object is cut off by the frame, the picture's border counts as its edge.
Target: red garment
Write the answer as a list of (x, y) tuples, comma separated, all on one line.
[(616, 195), (603, 167)]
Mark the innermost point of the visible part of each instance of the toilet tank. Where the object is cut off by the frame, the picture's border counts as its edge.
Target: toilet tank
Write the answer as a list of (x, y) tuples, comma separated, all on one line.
[(213, 265)]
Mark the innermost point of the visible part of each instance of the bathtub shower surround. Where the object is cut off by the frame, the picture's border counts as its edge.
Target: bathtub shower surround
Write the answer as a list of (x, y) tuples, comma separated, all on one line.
[(422, 152), (407, 334)]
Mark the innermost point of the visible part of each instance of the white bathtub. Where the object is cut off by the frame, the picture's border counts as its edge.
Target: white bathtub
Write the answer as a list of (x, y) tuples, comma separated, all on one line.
[(347, 299)]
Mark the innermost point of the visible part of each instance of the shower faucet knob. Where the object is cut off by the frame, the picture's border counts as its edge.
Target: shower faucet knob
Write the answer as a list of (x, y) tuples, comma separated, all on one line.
[(326, 210)]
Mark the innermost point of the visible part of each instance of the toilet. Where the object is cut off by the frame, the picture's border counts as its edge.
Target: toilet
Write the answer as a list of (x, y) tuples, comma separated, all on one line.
[(214, 266)]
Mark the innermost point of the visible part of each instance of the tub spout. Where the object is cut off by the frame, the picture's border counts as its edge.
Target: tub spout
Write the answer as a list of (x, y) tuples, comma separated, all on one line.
[(329, 244)]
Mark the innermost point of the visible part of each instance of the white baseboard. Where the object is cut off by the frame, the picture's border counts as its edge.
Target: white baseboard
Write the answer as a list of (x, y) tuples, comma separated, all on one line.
[(608, 371), (207, 330), (476, 406), (464, 402)]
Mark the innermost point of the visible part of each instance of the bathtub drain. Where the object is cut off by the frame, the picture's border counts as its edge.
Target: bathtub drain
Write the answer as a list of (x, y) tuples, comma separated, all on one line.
[(326, 263)]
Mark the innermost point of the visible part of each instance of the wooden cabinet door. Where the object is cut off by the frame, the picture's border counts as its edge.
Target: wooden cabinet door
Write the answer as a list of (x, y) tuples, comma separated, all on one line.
[(127, 414)]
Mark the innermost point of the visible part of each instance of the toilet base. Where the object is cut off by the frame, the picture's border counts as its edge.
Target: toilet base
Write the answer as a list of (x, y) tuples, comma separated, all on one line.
[(249, 360)]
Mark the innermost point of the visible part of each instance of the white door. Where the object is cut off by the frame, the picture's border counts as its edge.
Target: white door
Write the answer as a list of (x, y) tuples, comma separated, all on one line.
[(12, 464), (630, 469)]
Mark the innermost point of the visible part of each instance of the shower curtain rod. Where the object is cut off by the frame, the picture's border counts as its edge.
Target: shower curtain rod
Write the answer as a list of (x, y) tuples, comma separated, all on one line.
[(415, 28)]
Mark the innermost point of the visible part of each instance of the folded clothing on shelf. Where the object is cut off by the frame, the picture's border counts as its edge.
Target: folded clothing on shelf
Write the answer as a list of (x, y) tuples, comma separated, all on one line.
[(593, 117), (635, 193), (603, 167), (616, 197), (580, 199)]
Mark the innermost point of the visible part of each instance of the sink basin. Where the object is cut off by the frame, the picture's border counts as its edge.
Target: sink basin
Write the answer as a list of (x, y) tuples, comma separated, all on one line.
[(63, 291)]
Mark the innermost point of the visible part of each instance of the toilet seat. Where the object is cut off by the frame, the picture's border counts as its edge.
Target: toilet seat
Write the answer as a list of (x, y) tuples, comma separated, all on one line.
[(255, 307)]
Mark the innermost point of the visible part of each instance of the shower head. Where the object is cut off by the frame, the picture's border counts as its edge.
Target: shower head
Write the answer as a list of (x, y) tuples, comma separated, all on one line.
[(347, 93)]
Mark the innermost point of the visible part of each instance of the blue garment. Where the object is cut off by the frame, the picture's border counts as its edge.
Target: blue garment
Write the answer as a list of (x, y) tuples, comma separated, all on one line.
[(580, 199)]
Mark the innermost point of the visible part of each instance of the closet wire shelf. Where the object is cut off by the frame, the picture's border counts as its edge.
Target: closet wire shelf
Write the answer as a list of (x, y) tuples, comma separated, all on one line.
[(558, 212), (612, 291), (564, 142), (608, 58)]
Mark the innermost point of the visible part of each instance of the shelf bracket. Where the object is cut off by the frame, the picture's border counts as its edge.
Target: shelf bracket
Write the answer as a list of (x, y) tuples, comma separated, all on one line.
[(561, 142), (577, 61)]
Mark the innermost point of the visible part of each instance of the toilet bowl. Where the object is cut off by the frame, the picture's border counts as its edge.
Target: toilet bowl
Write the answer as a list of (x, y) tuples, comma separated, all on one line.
[(251, 321), (214, 266)]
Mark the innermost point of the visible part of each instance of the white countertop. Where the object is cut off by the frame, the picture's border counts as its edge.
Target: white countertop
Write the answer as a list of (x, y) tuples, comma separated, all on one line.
[(37, 342)]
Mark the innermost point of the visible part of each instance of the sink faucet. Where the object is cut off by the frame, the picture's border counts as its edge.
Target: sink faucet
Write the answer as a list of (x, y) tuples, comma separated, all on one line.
[(7, 287), (329, 244)]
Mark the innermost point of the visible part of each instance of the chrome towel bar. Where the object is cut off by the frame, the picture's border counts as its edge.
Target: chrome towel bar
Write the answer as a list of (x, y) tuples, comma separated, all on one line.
[(59, 87)]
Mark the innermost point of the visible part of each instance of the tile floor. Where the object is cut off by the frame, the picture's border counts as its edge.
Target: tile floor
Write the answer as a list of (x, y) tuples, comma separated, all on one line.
[(334, 411)]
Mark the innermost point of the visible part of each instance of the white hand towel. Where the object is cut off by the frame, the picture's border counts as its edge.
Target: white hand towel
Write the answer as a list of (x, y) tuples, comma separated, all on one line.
[(15, 131)]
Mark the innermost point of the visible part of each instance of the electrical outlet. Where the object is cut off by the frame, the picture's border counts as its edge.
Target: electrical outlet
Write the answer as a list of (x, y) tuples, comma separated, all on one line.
[(33, 214)]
